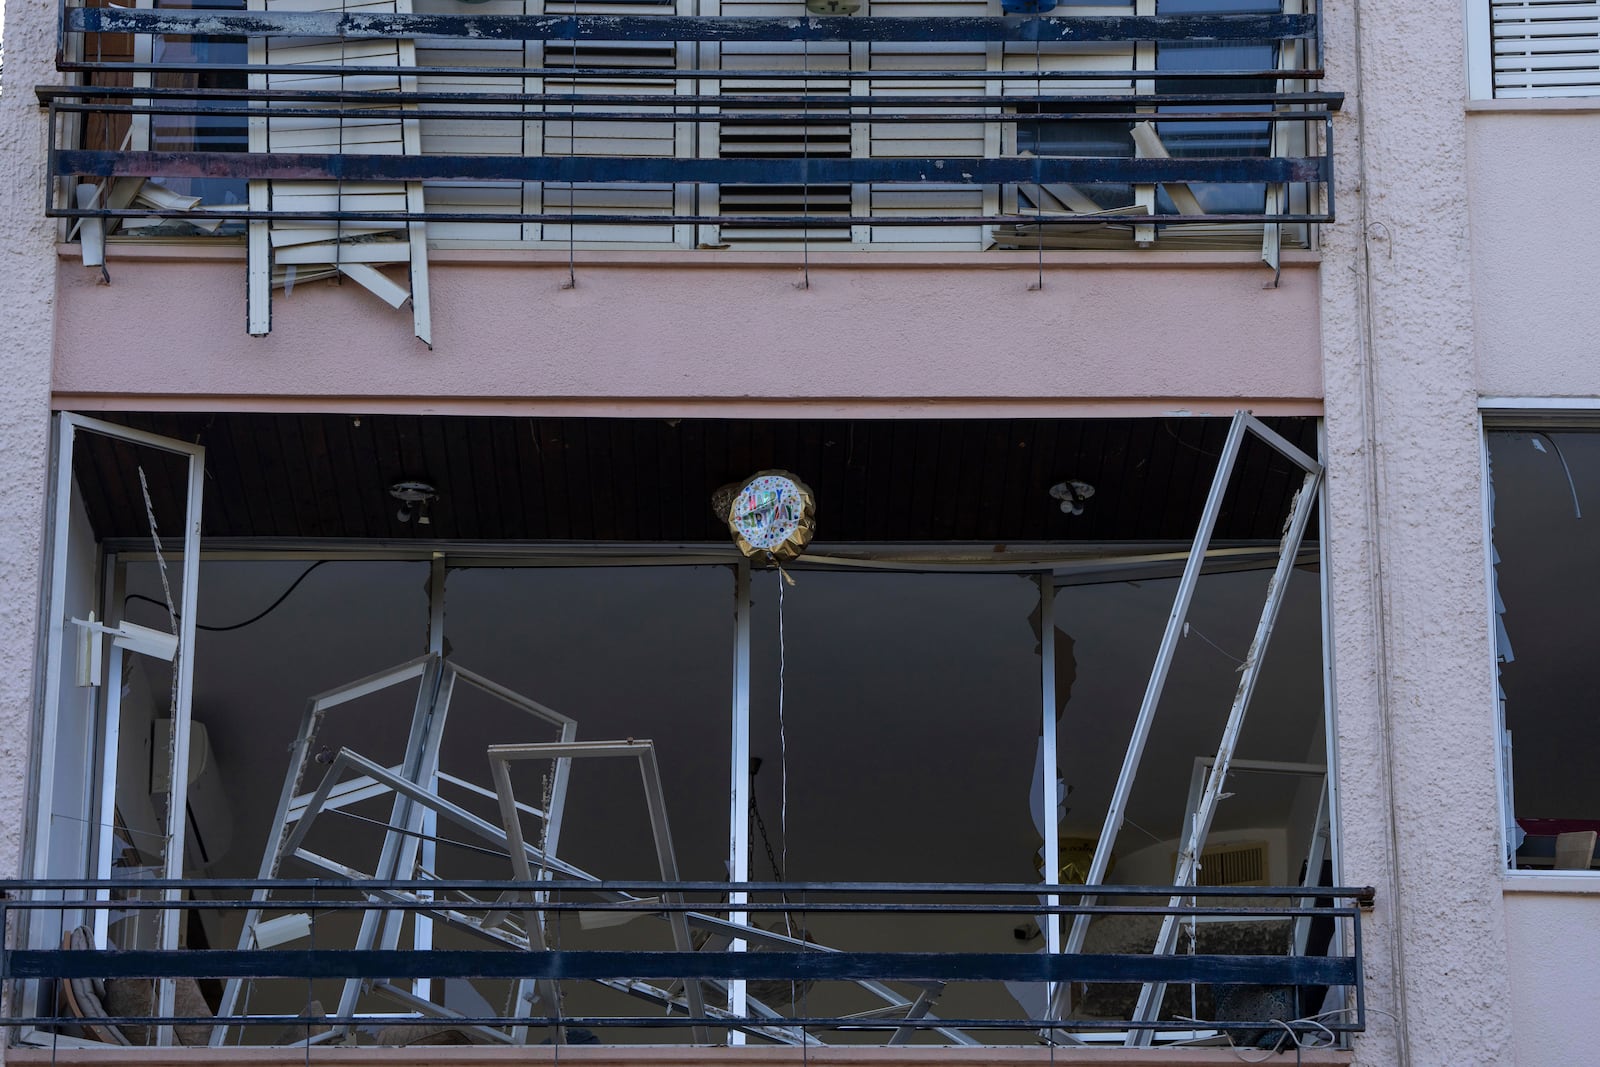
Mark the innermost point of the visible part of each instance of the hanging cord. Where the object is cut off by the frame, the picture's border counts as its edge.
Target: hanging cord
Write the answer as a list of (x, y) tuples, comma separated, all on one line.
[(559, 1037), (338, 200), (805, 997), (1038, 185), (310, 987), (783, 757), (61, 937), (805, 172), (766, 842), (572, 187)]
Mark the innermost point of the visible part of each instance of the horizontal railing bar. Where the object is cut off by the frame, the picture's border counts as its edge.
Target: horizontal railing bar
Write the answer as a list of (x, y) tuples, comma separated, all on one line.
[(53, 93), (814, 221), (649, 906), (833, 1022), (30, 885), (734, 117), (956, 170), (619, 28), (760, 966), (708, 73)]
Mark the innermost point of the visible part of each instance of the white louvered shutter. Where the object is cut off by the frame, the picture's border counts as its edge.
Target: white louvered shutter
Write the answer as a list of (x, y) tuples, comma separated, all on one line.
[(915, 140), (1545, 49), (790, 140), (564, 130), (473, 137)]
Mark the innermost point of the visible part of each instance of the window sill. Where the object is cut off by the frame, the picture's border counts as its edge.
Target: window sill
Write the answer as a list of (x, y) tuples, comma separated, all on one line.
[(1547, 104), (1567, 882)]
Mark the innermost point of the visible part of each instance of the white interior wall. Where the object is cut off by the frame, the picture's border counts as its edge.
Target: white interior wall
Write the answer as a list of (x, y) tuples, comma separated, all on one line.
[(71, 816), (911, 701)]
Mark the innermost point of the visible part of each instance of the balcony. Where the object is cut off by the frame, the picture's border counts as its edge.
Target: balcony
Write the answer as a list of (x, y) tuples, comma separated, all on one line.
[(346, 139), (900, 792)]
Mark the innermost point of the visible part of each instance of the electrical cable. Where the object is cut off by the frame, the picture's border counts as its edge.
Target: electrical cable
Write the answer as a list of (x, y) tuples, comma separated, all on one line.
[(419, 835), (783, 755), (269, 609), (1383, 626)]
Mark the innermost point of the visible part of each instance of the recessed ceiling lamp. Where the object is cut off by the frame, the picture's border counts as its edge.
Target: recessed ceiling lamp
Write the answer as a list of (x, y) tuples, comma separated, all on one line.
[(414, 499)]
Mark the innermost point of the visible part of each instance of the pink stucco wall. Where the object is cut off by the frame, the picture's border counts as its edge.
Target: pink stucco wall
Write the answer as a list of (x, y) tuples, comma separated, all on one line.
[(1180, 330), (1535, 320), (1535, 248), (1553, 943), (26, 318), (1415, 726)]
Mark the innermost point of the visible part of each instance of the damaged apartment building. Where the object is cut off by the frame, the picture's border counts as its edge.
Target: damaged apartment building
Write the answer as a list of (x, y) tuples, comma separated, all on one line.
[(753, 530)]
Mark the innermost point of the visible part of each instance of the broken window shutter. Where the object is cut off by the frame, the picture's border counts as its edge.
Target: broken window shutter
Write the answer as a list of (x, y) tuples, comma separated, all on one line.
[(284, 250), (1047, 138)]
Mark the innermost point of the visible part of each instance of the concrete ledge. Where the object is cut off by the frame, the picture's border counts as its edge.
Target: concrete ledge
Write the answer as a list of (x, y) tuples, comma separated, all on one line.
[(213, 249), (1546, 104), (1575, 883)]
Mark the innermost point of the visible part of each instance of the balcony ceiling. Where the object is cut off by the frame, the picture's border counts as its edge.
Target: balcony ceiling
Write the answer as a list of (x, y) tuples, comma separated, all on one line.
[(643, 480)]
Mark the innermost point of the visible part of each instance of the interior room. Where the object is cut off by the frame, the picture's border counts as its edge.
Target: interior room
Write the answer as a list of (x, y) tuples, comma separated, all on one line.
[(1544, 479), (889, 681)]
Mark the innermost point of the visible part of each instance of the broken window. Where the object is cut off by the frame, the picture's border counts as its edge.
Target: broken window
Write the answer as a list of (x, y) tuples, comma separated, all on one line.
[(492, 655), (1547, 588)]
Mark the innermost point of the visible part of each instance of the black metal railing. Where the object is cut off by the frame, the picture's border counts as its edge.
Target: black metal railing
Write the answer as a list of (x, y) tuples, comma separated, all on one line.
[(748, 958), (1290, 145)]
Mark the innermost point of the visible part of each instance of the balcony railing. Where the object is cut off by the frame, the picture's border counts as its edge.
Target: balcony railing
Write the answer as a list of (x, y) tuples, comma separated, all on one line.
[(765, 963), (693, 128)]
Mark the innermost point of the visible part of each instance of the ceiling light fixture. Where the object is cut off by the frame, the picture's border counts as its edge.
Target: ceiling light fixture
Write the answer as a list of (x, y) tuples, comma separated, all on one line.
[(1072, 494), (414, 498)]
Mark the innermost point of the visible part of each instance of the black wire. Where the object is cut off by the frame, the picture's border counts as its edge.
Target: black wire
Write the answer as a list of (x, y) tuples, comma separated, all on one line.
[(268, 610)]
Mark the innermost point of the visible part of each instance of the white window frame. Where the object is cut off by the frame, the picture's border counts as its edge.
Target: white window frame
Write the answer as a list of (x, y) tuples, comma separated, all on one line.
[(1480, 57), (1566, 413), (58, 628)]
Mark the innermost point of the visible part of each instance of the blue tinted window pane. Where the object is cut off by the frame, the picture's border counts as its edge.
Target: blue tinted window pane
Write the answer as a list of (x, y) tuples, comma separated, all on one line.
[(1083, 139), (201, 133), (1218, 139)]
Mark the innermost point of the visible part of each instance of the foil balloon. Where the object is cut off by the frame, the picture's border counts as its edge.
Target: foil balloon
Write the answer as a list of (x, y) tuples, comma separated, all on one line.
[(773, 516)]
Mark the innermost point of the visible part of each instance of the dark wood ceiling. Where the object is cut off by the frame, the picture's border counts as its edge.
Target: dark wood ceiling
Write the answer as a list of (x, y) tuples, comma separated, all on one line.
[(642, 480)]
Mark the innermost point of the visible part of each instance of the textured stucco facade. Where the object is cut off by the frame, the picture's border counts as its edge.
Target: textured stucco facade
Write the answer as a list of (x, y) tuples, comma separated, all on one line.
[(27, 327), (1453, 274)]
